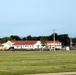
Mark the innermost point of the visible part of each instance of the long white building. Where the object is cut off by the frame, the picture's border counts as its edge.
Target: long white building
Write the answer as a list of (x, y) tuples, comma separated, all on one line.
[(31, 44)]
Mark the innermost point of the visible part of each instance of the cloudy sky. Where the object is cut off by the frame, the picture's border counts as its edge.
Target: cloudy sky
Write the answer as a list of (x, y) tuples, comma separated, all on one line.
[(37, 17)]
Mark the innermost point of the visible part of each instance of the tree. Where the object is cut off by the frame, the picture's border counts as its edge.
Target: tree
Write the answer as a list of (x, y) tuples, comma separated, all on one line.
[(43, 41), (24, 38), (51, 37), (15, 37), (74, 41), (5, 39), (29, 37), (64, 39)]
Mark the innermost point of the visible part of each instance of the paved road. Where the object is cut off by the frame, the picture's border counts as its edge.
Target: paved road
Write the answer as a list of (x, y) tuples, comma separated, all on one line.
[(64, 73)]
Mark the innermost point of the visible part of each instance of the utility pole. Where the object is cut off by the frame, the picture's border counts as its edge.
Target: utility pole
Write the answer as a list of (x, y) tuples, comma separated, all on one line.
[(54, 38), (71, 42)]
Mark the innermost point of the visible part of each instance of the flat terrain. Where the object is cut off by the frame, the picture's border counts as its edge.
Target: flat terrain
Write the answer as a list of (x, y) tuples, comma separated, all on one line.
[(33, 62)]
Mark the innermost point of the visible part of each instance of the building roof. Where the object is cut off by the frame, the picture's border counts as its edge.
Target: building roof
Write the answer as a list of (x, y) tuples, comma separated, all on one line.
[(28, 42), (23, 42), (53, 41)]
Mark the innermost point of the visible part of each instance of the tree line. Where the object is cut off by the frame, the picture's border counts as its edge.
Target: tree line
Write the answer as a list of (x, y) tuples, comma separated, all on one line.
[(64, 38)]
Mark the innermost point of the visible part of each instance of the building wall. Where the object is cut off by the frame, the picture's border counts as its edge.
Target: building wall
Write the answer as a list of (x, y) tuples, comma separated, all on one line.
[(37, 45), (30, 46), (57, 45), (23, 46)]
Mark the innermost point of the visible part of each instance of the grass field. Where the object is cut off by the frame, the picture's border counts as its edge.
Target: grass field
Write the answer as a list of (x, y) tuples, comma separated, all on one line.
[(30, 62)]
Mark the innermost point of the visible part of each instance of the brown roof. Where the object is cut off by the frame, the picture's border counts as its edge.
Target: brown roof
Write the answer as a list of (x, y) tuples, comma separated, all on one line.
[(23, 42), (28, 42), (53, 41)]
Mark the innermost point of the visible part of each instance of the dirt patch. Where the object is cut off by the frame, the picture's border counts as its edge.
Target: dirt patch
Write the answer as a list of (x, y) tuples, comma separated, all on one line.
[(63, 73)]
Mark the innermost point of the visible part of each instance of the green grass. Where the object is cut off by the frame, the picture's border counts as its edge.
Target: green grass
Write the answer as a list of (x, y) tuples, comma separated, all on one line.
[(31, 62)]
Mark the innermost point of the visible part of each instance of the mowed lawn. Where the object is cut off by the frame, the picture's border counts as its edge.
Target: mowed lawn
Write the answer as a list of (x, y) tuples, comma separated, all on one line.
[(31, 62)]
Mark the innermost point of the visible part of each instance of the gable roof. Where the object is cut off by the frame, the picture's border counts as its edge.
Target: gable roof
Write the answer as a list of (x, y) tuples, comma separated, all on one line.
[(23, 42), (28, 42), (53, 41)]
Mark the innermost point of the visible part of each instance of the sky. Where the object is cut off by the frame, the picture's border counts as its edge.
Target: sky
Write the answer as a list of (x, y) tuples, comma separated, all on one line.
[(37, 17)]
